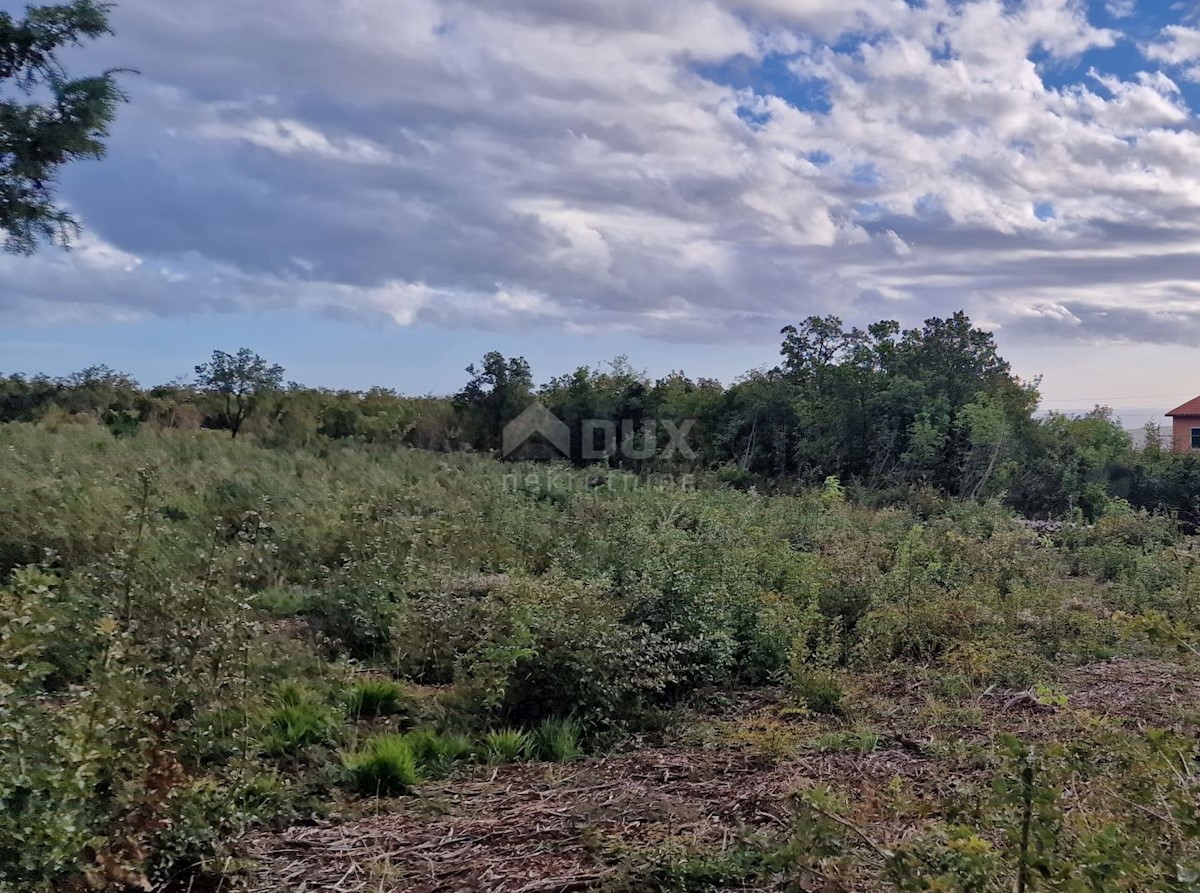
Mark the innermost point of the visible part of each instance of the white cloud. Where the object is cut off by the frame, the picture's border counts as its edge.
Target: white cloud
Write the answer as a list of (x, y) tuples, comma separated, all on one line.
[(1121, 9), (289, 137), (1178, 45), (692, 169)]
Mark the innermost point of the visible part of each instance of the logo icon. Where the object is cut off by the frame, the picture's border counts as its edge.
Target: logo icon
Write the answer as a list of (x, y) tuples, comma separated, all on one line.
[(536, 419)]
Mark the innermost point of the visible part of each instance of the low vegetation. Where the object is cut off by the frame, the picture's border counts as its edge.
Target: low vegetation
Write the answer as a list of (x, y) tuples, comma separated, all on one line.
[(205, 641)]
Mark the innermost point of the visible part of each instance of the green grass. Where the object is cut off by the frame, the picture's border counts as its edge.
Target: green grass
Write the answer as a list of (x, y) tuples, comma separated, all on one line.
[(860, 741), (819, 691), (439, 752), (556, 740), (378, 697), (283, 601), (292, 727), (683, 867), (385, 765), (505, 745)]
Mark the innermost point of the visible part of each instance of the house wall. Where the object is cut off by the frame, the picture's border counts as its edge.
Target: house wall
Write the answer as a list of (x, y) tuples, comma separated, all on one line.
[(1181, 437)]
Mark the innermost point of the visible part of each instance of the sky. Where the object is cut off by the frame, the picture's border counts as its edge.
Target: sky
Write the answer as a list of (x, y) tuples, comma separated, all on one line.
[(380, 191)]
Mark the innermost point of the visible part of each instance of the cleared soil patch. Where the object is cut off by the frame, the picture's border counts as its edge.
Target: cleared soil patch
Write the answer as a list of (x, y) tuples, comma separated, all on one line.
[(545, 827), (530, 827), (1137, 693)]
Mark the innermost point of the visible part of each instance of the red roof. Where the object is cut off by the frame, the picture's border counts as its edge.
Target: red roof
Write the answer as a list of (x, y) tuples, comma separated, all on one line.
[(1191, 408)]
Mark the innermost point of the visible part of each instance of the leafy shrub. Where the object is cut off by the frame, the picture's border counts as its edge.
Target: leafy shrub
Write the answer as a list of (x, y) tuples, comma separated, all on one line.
[(215, 735), (385, 765), (812, 676), (207, 811), (519, 649), (995, 661), (1108, 810)]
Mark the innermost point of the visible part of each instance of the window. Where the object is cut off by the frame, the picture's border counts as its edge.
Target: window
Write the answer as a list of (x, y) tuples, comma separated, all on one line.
[(1196, 438)]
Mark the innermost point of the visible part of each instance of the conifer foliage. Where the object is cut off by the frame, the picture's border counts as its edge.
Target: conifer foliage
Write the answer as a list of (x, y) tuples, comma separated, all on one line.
[(47, 117)]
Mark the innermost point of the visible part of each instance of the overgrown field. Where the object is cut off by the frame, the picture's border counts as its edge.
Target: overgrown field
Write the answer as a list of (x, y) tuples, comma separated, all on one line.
[(442, 672)]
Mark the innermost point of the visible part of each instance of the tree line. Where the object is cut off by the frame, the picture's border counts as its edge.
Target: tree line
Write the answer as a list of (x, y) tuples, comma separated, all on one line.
[(889, 412)]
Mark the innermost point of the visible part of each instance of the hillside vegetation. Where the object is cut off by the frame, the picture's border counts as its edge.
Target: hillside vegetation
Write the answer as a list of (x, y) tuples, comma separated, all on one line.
[(201, 636), (889, 412)]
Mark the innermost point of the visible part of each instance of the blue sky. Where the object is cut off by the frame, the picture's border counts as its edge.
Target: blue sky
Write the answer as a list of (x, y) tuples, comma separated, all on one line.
[(379, 191)]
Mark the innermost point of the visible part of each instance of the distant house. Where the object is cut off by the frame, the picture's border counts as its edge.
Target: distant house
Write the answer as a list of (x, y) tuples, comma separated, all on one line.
[(1185, 433)]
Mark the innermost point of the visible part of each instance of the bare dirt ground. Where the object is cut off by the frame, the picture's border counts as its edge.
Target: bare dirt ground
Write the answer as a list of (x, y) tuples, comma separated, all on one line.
[(544, 827)]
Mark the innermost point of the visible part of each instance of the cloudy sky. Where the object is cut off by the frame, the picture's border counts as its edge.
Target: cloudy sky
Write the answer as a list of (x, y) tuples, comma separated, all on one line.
[(378, 191)]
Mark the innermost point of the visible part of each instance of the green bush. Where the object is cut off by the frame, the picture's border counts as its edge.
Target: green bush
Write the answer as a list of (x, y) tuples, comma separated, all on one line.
[(522, 648)]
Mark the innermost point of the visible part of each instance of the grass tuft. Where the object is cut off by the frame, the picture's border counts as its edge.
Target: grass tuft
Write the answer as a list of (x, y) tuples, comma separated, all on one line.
[(298, 721), (505, 746), (385, 765), (819, 691), (436, 752), (556, 740), (378, 697)]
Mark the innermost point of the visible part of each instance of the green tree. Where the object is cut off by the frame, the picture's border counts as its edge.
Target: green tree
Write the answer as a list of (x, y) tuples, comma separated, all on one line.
[(954, 365), (111, 397), (25, 399), (988, 443), (48, 118), (240, 380), (879, 404), (1153, 441), (755, 426), (499, 390), (618, 399), (1074, 463)]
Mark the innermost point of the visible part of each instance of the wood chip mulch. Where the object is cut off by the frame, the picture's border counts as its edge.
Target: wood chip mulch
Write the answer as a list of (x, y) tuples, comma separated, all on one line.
[(1138, 692), (542, 827), (537, 827)]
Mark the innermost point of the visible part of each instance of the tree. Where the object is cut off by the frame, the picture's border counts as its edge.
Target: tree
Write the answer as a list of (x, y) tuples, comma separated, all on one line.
[(39, 137), (817, 344), (953, 359), (499, 390), (604, 408), (241, 380)]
